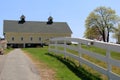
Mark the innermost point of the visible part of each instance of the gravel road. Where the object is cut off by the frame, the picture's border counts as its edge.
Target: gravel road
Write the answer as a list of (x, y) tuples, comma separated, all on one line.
[(17, 66)]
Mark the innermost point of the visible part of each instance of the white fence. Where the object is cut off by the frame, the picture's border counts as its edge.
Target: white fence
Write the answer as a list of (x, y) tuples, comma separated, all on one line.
[(53, 47)]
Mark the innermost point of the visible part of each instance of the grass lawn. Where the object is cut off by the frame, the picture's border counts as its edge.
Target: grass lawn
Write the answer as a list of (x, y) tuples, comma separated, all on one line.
[(6, 51), (64, 69), (114, 55)]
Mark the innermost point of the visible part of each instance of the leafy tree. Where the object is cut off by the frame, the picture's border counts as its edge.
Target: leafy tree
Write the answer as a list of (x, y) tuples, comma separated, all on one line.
[(116, 31), (92, 33), (104, 19)]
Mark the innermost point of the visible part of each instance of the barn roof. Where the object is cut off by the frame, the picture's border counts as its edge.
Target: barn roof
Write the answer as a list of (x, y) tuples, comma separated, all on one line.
[(36, 27)]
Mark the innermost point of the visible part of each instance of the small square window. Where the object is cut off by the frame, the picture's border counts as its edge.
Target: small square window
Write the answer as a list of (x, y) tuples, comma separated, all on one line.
[(39, 38), (21, 38), (12, 38), (31, 38)]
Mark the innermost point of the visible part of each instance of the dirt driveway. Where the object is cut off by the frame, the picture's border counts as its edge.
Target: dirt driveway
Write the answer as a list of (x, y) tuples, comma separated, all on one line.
[(17, 66)]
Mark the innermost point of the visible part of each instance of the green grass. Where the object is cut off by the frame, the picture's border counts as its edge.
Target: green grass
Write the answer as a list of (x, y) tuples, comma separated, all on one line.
[(115, 55), (7, 50), (65, 69)]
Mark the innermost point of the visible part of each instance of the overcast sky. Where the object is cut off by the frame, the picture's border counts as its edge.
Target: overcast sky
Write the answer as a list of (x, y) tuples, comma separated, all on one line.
[(74, 12)]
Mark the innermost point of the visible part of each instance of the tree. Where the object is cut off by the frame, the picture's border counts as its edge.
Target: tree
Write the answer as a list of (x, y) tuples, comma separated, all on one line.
[(92, 33), (104, 19), (116, 31)]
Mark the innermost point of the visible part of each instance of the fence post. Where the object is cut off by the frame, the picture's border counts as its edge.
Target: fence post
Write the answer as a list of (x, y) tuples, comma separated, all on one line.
[(64, 49), (80, 54), (49, 47), (49, 43), (56, 45), (108, 56)]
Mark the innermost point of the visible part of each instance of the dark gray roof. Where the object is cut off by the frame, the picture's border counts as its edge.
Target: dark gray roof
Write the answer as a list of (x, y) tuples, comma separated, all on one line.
[(36, 27)]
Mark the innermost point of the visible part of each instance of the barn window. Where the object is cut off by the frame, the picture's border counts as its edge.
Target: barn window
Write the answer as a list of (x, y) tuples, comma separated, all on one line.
[(31, 38), (39, 38), (21, 38), (12, 38)]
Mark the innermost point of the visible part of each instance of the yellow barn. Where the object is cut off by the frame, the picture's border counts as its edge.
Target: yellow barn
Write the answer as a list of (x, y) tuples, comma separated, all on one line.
[(21, 33)]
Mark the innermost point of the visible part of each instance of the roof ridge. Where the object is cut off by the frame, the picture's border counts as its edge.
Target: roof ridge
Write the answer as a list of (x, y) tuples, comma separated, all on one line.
[(33, 21)]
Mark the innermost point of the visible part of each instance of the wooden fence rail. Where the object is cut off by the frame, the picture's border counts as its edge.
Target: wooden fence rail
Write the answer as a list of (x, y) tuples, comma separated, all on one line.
[(62, 42)]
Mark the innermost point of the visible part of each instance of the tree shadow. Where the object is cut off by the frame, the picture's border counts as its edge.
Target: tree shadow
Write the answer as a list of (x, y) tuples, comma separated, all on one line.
[(77, 70)]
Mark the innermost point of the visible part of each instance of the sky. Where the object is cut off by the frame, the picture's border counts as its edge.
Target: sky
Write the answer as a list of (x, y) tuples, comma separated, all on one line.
[(74, 12)]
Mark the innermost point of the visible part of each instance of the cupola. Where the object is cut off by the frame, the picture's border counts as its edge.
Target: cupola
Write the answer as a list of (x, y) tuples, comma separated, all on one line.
[(22, 19), (50, 20)]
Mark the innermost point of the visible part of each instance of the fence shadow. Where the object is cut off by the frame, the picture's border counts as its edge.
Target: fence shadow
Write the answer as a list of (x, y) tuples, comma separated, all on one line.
[(77, 70)]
